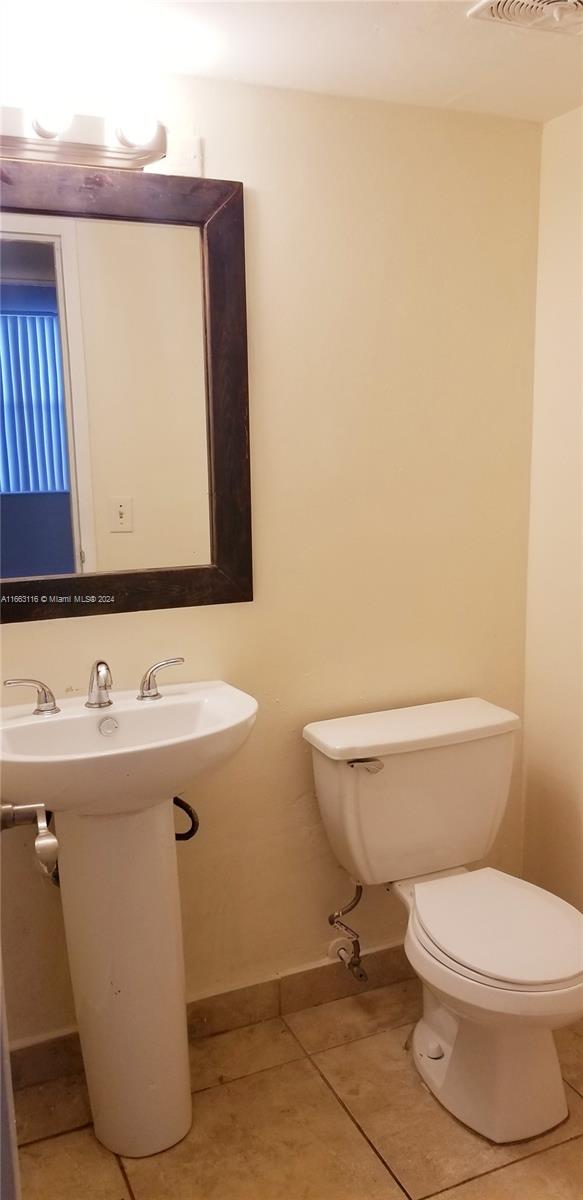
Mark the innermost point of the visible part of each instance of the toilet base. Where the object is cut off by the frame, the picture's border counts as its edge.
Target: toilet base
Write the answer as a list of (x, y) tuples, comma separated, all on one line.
[(502, 1081)]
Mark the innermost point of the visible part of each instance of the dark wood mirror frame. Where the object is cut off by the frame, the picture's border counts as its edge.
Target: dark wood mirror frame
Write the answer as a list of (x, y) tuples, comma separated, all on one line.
[(216, 208)]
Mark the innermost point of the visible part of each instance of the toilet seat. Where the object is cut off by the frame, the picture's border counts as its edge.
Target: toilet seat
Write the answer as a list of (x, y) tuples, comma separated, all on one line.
[(416, 933), (499, 931)]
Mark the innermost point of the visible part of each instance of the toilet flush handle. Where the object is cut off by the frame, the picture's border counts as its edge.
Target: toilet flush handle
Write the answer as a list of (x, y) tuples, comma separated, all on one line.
[(372, 765)]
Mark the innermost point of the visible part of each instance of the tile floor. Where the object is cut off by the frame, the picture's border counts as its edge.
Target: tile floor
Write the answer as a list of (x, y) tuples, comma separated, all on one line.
[(321, 1104)]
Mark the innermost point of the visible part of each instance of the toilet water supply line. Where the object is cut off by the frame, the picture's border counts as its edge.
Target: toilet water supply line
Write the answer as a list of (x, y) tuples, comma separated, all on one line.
[(351, 961)]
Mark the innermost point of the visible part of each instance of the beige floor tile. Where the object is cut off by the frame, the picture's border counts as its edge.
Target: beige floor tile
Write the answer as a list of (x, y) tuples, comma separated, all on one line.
[(277, 1135), (342, 1021), (318, 985), (229, 1056), (570, 1046), (72, 1167), (48, 1108), (555, 1175), (424, 1145)]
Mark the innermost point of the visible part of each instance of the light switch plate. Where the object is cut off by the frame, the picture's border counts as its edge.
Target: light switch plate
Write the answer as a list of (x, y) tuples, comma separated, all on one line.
[(121, 514)]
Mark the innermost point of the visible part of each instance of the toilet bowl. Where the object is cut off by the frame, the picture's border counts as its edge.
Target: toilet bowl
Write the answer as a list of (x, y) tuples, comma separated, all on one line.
[(409, 797), (492, 994)]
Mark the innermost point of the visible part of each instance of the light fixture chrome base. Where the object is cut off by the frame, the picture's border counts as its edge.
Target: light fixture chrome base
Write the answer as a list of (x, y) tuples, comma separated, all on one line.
[(87, 141)]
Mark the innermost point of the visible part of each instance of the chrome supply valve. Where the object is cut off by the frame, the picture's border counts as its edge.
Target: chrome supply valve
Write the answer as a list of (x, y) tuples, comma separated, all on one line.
[(46, 704), (352, 961), (149, 685), (46, 845)]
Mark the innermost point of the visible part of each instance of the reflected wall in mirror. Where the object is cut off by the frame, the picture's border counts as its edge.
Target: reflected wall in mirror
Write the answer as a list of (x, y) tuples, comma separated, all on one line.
[(124, 453), (103, 442)]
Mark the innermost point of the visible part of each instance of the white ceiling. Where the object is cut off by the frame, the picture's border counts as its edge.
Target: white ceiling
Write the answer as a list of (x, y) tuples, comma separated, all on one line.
[(423, 52)]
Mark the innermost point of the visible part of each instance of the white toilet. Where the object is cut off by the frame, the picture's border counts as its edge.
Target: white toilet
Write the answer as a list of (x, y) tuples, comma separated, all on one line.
[(408, 797)]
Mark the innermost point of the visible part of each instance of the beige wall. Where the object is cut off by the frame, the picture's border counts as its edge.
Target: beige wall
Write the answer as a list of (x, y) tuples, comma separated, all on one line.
[(554, 665), (391, 283), (141, 301)]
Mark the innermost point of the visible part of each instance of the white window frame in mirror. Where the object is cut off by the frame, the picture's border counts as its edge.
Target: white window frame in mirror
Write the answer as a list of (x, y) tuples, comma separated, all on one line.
[(61, 234)]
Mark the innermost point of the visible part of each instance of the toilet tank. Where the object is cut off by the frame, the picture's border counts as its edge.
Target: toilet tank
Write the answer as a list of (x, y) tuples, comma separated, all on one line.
[(432, 797)]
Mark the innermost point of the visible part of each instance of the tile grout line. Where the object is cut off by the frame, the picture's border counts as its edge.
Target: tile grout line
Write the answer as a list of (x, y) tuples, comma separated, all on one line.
[(578, 1091), (360, 1130), (50, 1137), (356, 995), (249, 1074), (121, 1166), (296, 1039), (350, 1042), (503, 1167)]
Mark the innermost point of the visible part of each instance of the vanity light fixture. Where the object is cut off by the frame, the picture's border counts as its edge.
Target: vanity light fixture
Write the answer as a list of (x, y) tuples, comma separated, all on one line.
[(81, 140)]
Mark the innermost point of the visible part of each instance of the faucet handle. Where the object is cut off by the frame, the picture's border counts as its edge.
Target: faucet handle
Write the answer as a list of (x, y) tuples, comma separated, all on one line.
[(45, 700), (149, 684)]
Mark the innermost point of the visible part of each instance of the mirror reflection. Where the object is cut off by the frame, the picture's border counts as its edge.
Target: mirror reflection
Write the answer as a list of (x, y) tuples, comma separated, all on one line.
[(103, 416)]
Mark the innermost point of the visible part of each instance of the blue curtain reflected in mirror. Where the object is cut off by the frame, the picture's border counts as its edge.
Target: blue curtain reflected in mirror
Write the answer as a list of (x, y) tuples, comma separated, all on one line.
[(37, 533)]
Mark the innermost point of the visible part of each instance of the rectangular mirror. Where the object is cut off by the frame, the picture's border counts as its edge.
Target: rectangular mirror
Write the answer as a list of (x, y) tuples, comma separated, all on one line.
[(124, 466)]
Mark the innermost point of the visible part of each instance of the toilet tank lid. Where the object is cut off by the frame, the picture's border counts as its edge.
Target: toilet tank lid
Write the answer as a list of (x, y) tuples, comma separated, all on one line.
[(399, 730)]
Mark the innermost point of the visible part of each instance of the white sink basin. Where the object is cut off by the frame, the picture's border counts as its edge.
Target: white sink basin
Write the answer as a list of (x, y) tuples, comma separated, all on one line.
[(129, 756)]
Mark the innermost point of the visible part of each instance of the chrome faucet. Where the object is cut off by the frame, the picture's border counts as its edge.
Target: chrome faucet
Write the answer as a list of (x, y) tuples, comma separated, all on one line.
[(45, 700), (99, 682), (149, 685)]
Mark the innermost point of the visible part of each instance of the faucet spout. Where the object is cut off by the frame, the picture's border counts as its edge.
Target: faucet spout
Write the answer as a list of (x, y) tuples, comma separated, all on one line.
[(100, 681)]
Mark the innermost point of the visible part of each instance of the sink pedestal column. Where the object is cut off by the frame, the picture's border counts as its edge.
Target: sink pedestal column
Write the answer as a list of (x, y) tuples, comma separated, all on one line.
[(119, 886)]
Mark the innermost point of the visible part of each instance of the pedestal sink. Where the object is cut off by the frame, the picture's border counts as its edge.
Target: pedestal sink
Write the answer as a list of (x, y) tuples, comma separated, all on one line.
[(109, 776)]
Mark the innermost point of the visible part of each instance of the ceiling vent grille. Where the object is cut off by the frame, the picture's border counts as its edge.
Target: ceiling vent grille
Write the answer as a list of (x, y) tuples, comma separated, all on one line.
[(548, 16)]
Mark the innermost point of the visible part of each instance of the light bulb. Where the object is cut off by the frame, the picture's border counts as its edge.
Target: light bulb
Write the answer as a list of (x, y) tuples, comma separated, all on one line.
[(137, 131), (52, 123)]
